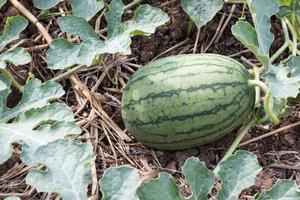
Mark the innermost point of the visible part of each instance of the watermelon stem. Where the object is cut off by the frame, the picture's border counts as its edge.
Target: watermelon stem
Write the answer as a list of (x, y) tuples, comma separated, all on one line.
[(240, 135), (268, 102)]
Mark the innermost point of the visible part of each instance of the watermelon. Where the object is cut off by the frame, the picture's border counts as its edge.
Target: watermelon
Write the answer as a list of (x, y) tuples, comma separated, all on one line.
[(184, 101)]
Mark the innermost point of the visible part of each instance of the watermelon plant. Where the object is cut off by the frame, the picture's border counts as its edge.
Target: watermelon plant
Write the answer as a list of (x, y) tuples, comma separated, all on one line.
[(44, 129), (232, 173)]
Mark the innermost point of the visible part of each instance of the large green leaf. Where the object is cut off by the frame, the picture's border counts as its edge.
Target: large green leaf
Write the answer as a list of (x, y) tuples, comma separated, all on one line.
[(201, 11), (285, 81), (33, 122), (258, 40), (17, 56), (114, 16), (161, 188), (2, 2), (45, 4), (237, 173), (68, 169), (86, 8), (119, 183), (36, 127), (13, 27), (35, 95), (145, 21), (246, 34), (63, 54), (282, 190), (77, 26), (200, 179)]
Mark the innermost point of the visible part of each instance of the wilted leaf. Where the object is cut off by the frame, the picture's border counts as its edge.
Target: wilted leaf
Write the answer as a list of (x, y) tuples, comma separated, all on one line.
[(69, 169), (200, 179), (86, 8), (284, 81), (237, 173), (282, 190), (201, 11), (161, 188), (13, 27), (18, 56), (119, 183)]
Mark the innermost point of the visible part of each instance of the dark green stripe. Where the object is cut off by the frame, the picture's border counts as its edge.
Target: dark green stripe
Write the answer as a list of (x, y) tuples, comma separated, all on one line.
[(170, 93), (142, 76), (217, 132), (162, 119)]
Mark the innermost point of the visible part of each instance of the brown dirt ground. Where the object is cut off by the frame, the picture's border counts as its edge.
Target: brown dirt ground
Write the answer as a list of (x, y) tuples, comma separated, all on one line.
[(279, 154)]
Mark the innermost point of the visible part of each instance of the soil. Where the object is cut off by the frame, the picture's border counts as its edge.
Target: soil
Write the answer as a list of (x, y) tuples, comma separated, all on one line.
[(278, 154)]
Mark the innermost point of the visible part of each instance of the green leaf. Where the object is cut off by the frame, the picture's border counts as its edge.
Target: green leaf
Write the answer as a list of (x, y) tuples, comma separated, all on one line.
[(68, 169), (13, 27), (161, 188), (4, 91), (86, 9), (77, 26), (114, 16), (36, 127), (119, 183), (246, 34), (261, 12), (201, 11), (282, 190), (258, 40), (200, 179), (45, 4), (284, 81), (35, 95), (145, 21), (288, 8), (63, 54), (237, 173), (17, 56), (2, 2)]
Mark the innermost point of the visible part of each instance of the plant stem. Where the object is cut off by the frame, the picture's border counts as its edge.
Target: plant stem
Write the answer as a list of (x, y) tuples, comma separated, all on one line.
[(256, 72), (132, 4), (268, 102), (190, 27), (260, 84), (280, 51), (67, 73), (13, 81), (268, 105), (294, 36), (240, 135), (285, 31)]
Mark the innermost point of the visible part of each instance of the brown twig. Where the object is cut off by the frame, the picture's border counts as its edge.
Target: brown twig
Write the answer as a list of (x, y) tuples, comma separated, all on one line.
[(270, 133)]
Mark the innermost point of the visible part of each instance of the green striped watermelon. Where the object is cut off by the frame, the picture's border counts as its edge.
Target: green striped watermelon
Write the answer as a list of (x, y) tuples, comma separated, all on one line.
[(186, 100)]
